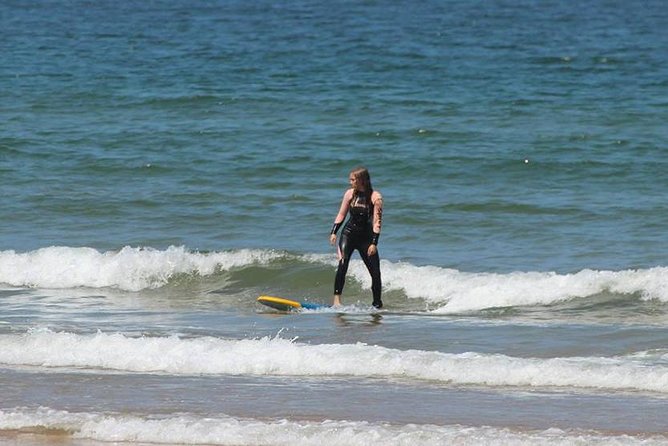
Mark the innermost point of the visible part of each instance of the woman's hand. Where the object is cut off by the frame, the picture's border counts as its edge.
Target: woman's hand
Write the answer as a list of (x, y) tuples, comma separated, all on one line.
[(372, 251), (332, 239)]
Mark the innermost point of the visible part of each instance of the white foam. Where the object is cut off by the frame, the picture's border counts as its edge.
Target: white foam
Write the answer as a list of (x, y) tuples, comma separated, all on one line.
[(276, 356), (456, 291), (452, 291), (225, 430), (460, 291), (130, 269)]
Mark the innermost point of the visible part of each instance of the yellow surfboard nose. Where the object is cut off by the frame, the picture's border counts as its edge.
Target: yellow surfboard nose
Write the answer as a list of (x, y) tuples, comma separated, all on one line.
[(279, 303)]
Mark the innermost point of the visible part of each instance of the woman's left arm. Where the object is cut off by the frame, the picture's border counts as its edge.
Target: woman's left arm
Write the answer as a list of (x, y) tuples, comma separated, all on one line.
[(377, 200)]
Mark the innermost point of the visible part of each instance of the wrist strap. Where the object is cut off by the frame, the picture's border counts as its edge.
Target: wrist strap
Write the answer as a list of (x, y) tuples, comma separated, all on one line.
[(335, 228), (374, 238)]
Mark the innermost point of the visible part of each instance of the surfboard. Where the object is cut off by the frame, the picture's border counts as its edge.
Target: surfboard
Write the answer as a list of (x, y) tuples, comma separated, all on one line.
[(282, 304)]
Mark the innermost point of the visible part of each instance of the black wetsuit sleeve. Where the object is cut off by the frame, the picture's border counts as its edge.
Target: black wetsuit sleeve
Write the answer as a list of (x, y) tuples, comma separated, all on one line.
[(335, 227)]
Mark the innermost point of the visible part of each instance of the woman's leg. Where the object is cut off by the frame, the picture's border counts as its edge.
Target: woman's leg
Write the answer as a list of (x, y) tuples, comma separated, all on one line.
[(373, 265), (345, 250)]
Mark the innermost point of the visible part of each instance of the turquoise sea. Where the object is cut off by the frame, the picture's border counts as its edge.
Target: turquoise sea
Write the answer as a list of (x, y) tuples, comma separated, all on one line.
[(164, 163)]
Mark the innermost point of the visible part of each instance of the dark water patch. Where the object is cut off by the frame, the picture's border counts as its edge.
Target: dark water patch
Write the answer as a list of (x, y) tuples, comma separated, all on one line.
[(510, 208), (606, 307)]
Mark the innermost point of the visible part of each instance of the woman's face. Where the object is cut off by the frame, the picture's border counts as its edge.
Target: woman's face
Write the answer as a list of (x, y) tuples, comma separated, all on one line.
[(354, 183)]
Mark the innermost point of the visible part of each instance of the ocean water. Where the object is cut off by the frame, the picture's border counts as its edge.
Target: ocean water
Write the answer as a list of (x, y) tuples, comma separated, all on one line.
[(164, 163)]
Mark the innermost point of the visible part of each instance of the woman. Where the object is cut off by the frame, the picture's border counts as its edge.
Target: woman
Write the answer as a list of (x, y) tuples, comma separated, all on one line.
[(361, 232)]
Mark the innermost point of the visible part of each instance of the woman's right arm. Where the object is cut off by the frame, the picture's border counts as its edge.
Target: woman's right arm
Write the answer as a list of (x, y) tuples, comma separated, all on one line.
[(343, 210)]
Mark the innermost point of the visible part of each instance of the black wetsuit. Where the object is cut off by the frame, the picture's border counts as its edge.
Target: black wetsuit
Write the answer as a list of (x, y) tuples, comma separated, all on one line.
[(358, 235)]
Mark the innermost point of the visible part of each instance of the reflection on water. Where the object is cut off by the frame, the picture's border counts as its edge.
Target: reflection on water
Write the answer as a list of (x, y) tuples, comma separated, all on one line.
[(345, 320)]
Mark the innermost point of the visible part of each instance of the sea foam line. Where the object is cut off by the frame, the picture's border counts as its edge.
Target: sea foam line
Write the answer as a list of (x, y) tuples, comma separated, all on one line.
[(452, 291), (225, 430), (131, 269), (457, 291), (283, 357)]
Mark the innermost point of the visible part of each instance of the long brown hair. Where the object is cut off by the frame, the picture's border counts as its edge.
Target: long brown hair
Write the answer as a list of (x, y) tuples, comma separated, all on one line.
[(363, 178)]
